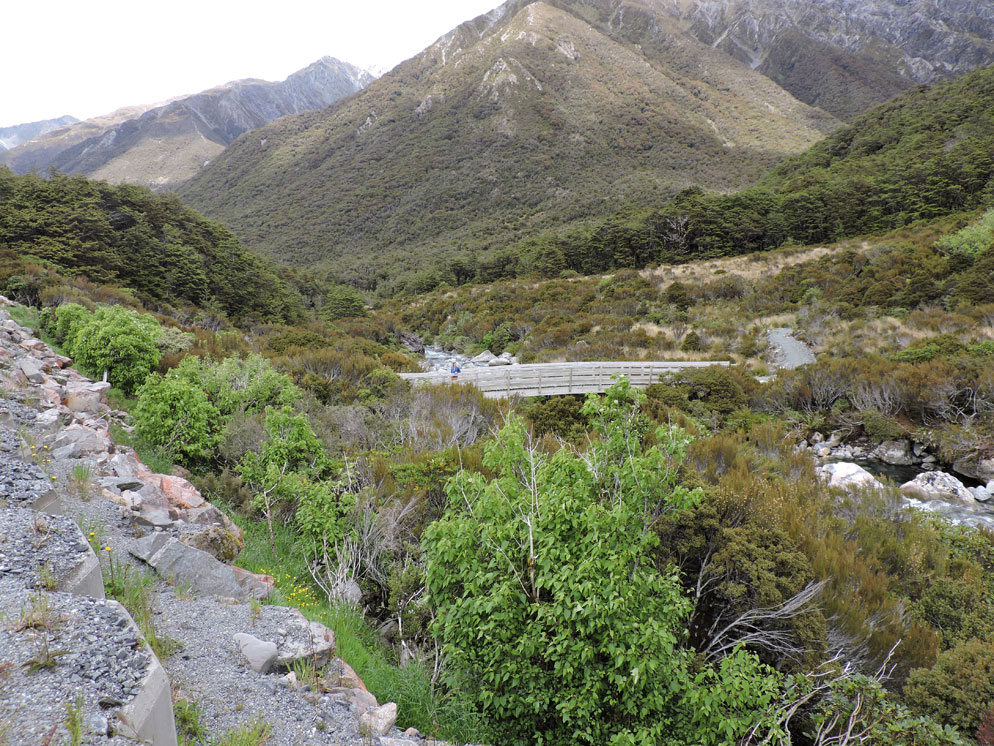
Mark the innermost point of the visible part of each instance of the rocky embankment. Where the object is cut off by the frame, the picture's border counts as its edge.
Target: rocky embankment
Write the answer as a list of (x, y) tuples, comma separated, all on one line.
[(74, 666)]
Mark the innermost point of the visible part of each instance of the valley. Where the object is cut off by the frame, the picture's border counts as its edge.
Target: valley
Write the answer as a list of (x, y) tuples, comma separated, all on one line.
[(717, 467)]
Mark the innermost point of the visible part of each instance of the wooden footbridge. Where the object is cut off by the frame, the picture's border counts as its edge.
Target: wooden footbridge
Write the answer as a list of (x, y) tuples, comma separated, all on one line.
[(556, 379)]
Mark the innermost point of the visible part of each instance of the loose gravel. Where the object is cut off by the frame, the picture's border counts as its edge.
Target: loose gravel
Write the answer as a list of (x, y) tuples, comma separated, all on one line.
[(38, 549), (57, 650), (211, 672)]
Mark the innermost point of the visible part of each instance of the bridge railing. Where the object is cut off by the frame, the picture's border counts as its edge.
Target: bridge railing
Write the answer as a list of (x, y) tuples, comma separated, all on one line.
[(557, 379)]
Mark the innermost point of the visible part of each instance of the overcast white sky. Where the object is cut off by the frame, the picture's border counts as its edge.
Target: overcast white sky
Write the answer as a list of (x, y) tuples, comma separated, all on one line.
[(87, 58)]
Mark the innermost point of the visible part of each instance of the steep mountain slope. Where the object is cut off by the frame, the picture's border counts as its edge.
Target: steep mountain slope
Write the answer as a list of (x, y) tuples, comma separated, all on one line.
[(11, 137), (167, 144), (843, 55), (536, 114)]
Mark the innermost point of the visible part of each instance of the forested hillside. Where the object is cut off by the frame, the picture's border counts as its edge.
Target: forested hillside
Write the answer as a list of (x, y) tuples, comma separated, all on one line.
[(158, 250), (927, 153)]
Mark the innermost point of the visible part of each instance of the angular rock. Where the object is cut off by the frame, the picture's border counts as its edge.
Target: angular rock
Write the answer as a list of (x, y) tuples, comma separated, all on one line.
[(895, 452), (30, 370), (981, 469), (318, 648), (120, 484), (937, 485), (378, 722), (348, 678), (174, 560), (497, 361), (484, 357), (844, 474), (179, 492), (253, 579), (86, 397), (412, 342), (219, 543), (260, 654), (86, 440)]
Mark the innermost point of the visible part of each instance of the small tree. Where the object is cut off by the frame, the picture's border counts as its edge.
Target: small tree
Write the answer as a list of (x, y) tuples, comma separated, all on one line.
[(342, 301), (288, 460), (175, 414), (556, 624)]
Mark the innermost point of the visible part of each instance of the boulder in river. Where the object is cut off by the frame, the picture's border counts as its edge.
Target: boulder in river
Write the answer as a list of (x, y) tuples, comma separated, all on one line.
[(894, 452), (937, 485), (844, 474), (484, 358)]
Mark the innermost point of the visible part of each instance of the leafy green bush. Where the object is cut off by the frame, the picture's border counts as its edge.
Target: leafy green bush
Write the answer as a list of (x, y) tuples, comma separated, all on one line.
[(175, 415), (561, 416), (68, 320), (342, 301), (120, 342), (972, 239)]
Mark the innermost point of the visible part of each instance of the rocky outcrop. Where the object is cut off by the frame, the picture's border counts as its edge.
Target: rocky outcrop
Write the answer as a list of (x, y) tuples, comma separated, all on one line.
[(847, 475), (844, 56), (937, 485)]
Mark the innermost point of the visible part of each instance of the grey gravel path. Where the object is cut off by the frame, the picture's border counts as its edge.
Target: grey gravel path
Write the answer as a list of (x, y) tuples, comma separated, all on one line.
[(788, 352)]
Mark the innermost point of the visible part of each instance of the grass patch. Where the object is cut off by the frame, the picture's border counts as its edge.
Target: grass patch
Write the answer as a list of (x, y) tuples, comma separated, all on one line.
[(133, 589), (420, 703)]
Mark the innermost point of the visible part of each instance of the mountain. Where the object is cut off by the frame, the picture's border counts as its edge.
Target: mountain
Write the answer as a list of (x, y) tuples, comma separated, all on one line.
[(13, 136), (163, 145), (844, 55), (534, 115)]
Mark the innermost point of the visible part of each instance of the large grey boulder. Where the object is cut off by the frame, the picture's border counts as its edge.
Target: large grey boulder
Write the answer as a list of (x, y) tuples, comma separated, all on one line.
[(846, 475), (484, 358), (981, 469), (895, 452), (498, 361), (316, 644), (30, 370), (83, 440), (174, 560), (937, 485), (85, 397)]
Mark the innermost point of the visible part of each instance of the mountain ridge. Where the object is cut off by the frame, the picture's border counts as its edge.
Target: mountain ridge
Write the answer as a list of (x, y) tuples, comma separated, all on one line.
[(526, 116), (165, 144), (14, 135)]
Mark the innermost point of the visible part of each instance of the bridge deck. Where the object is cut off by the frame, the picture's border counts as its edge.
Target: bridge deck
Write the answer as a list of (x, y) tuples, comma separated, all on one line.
[(557, 379)]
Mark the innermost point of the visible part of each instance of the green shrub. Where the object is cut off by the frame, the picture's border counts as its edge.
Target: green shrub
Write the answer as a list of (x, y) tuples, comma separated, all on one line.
[(120, 342), (342, 301), (174, 414), (560, 639), (68, 321), (561, 416), (879, 427), (972, 239), (692, 342), (958, 689)]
